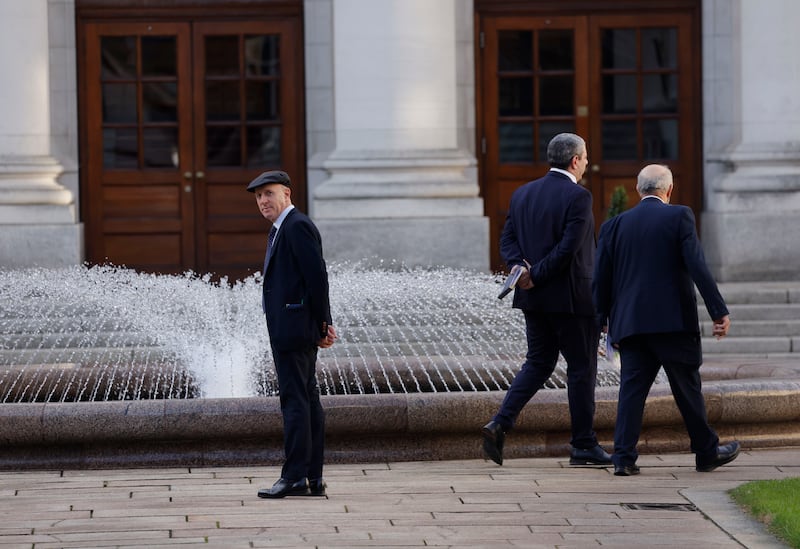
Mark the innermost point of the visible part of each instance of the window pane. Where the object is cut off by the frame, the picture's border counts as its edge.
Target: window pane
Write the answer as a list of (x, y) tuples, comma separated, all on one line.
[(660, 93), (619, 94), (223, 146), (619, 49), (516, 143), (222, 101), (660, 48), (262, 101), (159, 56), (556, 50), (160, 147), (160, 102), (556, 95), (547, 131), (263, 147), (120, 149), (119, 103), (515, 50), (222, 55), (660, 139), (262, 55), (619, 140), (516, 96), (118, 57)]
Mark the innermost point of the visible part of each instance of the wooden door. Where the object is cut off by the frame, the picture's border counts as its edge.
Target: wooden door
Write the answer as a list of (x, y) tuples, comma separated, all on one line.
[(177, 118), (628, 84)]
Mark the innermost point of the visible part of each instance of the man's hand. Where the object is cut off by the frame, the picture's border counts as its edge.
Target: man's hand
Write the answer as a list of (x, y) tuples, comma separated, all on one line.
[(721, 326), (329, 339), (525, 281)]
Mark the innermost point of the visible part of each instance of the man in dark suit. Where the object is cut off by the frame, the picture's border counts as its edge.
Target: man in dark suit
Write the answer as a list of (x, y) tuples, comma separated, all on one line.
[(549, 231), (296, 304), (649, 260)]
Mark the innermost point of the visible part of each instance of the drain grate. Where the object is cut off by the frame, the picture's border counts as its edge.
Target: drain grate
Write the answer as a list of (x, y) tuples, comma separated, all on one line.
[(659, 506)]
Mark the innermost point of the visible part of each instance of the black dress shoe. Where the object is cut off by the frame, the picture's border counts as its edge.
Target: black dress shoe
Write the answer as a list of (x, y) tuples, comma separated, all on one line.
[(589, 456), (493, 439), (626, 470), (284, 488), (725, 454), (316, 487)]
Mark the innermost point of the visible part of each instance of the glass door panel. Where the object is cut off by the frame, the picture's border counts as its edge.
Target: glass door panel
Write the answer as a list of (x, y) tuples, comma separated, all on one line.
[(536, 91)]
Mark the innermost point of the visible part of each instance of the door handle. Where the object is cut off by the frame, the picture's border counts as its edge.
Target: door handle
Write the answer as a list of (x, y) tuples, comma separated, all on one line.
[(187, 175), (200, 175), (595, 168)]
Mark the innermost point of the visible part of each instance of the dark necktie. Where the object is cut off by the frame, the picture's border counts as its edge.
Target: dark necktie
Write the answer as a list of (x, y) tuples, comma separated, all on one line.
[(270, 239)]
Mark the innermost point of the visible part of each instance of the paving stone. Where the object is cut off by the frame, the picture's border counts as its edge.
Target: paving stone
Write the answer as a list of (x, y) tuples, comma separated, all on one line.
[(530, 502)]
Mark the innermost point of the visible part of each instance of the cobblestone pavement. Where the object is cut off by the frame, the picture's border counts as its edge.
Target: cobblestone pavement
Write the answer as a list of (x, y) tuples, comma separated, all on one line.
[(539, 502)]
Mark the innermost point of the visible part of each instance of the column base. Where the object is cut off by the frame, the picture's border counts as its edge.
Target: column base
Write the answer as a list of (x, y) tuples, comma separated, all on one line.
[(751, 230), (25, 246), (749, 246), (461, 243)]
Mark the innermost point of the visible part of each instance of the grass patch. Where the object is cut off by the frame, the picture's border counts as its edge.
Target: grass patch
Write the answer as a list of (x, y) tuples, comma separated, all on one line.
[(776, 503)]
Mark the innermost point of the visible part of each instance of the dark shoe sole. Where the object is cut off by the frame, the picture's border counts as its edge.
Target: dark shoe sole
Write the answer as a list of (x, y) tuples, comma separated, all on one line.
[(267, 495), (490, 447), (720, 463), (588, 463), (627, 472)]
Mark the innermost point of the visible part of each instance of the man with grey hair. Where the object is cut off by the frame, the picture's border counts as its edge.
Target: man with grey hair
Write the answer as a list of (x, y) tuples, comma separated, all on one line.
[(649, 260), (549, 233)]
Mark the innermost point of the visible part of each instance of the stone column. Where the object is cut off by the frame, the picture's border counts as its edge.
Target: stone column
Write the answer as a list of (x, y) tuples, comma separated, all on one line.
[(751, 226), (37, 216), (398, 187)]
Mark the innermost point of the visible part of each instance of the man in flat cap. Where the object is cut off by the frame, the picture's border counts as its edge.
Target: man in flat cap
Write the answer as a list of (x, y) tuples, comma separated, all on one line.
[(296, 304)]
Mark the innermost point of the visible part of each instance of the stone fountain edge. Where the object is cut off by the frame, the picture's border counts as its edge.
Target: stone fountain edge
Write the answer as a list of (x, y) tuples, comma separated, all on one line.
[(763, 412)]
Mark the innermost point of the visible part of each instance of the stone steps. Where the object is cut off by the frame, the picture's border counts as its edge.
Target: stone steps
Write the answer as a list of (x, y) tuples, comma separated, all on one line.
[(765, 319)]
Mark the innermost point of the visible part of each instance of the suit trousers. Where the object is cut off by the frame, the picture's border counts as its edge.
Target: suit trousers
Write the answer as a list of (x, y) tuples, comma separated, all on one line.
[(303, 416), (642, 355), (576, 338)]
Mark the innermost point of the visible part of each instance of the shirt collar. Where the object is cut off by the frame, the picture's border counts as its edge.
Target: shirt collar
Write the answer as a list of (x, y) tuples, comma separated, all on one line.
[(565, 172), (653, 196), (282, 217)]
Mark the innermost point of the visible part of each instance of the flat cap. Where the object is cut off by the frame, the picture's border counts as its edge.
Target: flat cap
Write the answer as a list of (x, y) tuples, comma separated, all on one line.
[(268, 178)]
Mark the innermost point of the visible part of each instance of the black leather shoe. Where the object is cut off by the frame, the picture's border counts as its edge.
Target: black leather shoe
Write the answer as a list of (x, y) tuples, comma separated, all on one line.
[(626, 470), (316, 487), (493, 439), (589, 456), (284, 488), (725, 454)]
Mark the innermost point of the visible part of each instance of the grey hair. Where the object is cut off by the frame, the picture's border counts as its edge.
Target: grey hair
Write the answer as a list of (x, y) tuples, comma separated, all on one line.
[(654, 179), (562, 148)]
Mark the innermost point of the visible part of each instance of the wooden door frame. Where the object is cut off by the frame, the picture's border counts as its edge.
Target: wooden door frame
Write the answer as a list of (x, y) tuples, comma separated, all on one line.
[(484, 9), (189, 11)]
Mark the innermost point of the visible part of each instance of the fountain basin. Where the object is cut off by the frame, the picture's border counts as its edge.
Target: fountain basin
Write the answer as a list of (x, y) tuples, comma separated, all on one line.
[(758, 411)]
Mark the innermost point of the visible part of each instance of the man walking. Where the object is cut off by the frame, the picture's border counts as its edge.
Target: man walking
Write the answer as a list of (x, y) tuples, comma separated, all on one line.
[(649, 260), (296, 304), (549, 232)]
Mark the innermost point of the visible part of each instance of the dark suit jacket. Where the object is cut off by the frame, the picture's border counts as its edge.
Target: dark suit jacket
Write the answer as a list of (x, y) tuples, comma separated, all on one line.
[(550, 224), (295, 289), (647, 261)]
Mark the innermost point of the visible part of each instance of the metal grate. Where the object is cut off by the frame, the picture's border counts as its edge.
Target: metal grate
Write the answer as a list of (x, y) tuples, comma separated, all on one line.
[(659, 506)]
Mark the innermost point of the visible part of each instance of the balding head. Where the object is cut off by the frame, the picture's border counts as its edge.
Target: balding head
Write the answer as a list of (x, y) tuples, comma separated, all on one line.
[(655, 180)]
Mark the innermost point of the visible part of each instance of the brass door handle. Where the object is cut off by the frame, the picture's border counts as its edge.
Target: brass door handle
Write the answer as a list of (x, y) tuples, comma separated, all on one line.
[(595, 168)]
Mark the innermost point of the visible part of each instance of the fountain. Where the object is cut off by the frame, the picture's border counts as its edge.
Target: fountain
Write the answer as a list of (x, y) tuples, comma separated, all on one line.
[(104, 366)]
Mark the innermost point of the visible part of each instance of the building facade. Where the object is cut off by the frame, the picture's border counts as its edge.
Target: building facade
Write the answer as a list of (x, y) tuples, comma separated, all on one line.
[(128, 129)]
